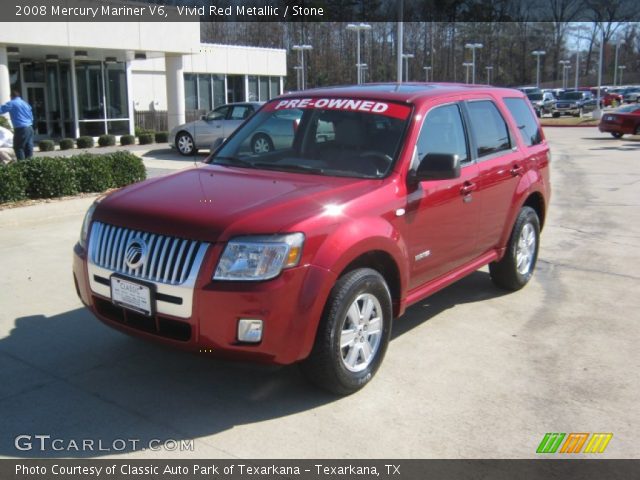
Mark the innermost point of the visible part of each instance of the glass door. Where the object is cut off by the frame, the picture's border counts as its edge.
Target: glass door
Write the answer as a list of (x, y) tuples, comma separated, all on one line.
[(36, 96)]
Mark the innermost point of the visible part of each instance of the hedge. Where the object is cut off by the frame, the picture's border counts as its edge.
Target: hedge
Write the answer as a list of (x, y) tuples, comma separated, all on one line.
[(127, 140), (85, 142), (146, 138), (67, 143), (13, 185), (48, 177), (106, 140), (46, 146), (5, 123), (162, 137)]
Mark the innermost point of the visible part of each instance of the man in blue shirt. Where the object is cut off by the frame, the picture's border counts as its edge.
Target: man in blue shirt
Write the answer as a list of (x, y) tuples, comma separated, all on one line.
[(22, 120)]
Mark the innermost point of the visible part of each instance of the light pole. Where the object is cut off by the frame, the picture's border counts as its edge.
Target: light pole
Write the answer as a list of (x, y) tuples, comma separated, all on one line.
[(488, 69), (298, 69), (466, 66), (597, 113), (565, 64), (363, 72), (406, 57), (577, 69), (358, 27), (473, 47), (538, 54), (301, 49), (621, 68), (615, 66), (426, 73)]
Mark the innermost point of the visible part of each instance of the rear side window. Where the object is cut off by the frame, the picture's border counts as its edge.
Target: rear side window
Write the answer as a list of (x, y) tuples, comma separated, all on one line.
[(490, 130), (443, 132), (525, 120)]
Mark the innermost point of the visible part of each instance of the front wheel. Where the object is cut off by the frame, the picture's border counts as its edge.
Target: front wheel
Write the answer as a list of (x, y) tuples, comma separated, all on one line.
[(616, 134), (516, 267), (353, 333), (185, 144), (261, 143)]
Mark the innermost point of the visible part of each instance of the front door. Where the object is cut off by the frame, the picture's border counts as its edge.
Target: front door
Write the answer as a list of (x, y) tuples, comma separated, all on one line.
[(443, 215), (36, 96)]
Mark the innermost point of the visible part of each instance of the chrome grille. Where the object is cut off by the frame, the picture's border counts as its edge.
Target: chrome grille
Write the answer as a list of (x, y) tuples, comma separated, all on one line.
[(169, 260)]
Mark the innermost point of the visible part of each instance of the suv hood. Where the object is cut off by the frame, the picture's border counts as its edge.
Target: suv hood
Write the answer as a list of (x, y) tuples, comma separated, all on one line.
[(213, 203)]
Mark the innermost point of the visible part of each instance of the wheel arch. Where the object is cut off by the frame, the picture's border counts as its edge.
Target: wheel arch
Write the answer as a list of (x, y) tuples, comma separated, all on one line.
[(536, 201)]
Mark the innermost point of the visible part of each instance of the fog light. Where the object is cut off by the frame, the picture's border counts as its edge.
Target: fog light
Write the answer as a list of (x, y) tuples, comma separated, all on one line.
[(249, 330)]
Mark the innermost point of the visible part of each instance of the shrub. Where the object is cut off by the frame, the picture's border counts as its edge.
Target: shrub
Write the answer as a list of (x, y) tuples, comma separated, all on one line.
[(13, 185), (162, 137), (146, 138), (126, 168), (127, 140), (106, 140), (92, 172), (141, 131), (67, 143), (4, 122), (46, 146), (85, 142), (48, 177)]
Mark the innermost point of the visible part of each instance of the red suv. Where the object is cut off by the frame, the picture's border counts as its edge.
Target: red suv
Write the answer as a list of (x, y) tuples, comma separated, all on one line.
[(372, 199)]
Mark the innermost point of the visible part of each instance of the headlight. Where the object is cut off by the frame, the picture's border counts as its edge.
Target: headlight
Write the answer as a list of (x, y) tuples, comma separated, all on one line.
[(259, 257), (84, 231)]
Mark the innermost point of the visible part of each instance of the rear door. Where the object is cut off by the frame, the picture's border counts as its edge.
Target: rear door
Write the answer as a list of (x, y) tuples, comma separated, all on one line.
[(237, 115), (442, 215)]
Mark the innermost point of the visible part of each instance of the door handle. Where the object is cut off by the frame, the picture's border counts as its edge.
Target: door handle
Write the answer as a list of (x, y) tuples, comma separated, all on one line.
[(517, 170), (467, 188)]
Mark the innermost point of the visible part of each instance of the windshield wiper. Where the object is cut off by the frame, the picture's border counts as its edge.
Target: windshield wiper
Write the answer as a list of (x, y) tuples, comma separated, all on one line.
[(232, 161), (289, 166)]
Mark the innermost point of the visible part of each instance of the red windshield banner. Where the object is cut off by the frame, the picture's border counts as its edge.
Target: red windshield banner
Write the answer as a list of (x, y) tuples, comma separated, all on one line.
[(388, 109)]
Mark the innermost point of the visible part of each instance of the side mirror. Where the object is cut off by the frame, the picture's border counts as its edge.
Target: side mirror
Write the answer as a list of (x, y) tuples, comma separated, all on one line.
[(438, 166)]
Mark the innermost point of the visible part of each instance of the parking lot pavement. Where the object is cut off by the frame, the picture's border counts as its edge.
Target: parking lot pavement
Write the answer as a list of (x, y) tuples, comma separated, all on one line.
[(470, 372)]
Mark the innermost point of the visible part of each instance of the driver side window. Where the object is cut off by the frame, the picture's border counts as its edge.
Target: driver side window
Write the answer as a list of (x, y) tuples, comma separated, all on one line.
[(443, 132), (218, 114)]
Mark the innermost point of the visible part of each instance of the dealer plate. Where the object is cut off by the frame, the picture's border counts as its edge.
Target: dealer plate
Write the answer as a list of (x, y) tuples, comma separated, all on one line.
[(132, 295)]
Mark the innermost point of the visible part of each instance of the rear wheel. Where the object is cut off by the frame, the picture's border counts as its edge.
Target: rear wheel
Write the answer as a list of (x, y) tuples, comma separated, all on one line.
[(617, 134), (516, 267), (353, 333), (261, 143), (637, 132)]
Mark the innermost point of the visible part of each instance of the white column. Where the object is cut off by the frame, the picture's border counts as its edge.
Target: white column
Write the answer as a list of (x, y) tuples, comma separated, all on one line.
[(5, 82), (74, 99), (175, 90), (129, 77)]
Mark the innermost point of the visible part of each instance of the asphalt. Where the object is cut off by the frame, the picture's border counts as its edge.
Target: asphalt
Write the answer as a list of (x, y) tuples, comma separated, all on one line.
[(471, 372)]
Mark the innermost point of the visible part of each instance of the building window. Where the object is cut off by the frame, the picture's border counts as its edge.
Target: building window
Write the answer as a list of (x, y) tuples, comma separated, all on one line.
[(219, 96), (264, 89), (254, 94), (116, 87), (274, 87), (90, 94), (190, 91), (204, 92), (235, 88)]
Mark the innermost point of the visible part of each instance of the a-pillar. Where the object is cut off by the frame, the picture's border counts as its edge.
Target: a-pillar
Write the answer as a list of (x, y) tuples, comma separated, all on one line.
[(175, 90)]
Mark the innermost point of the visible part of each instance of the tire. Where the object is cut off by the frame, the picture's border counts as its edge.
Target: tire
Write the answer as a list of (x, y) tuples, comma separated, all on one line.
[(616, 134), (261, 143), (516, 268), (346, 369), (185, 144), (556, 115), (637, 132)]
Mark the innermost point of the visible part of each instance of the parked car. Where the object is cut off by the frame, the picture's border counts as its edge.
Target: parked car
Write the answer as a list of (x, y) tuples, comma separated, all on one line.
[(624, 120), (219, 123), (542, 102), (308, 252), (631, 94), (574, 103)]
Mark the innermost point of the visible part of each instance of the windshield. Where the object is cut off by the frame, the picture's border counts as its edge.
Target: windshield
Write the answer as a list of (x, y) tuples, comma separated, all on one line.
[(321, 136), (570, 96), (534, 96)]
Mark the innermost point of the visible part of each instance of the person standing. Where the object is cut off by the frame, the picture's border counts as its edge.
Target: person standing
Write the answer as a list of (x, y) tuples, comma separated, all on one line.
[(22, 119)]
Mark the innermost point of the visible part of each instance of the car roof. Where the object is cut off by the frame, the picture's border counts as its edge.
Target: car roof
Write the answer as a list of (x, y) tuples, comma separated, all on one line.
[(409, 92), (255, 104)]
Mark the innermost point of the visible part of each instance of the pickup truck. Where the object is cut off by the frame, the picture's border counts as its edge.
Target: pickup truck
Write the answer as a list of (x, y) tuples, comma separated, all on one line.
[(310, 251)]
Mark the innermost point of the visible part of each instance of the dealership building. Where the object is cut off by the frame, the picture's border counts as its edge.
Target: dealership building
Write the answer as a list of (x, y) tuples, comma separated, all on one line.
[(85, 78)]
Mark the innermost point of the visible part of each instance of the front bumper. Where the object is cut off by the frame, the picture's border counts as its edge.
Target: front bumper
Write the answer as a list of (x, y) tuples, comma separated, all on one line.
[(289, 305)]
